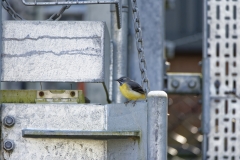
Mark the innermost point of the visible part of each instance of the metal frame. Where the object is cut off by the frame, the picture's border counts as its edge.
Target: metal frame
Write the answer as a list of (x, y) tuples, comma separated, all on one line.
[(1, 144), (117, 3), (150, 118), (137, 130), (221, 74), (120, 52), (205, 86)]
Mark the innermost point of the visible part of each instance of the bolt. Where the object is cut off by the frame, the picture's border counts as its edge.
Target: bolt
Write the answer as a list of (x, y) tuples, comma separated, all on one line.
[(175, 83), (192, 84), (9, 121), (41, 93), (8, 145)]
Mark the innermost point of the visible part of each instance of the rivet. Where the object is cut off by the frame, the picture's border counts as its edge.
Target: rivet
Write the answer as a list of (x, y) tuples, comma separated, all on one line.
[(175, 83), (192, 84)]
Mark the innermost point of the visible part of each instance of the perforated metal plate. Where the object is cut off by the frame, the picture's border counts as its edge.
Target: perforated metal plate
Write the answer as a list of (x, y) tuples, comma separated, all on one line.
[(223, 19)]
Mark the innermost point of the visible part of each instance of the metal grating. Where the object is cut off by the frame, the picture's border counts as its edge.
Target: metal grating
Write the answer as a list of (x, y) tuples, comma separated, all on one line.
[(223, 19)]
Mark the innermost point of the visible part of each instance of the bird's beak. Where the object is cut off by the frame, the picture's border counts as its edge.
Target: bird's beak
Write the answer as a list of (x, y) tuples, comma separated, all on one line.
[(116, 80)]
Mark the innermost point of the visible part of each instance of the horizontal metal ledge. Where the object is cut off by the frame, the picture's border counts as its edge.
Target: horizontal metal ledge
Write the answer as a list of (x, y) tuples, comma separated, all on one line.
[(102, 135)]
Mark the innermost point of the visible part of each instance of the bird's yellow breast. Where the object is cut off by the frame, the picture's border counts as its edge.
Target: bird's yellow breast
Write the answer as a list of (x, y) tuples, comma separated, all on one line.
[(130, 94)]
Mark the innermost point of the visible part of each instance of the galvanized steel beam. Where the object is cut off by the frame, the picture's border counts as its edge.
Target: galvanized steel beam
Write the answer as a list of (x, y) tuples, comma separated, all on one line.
[(205, 85), (1, 156), (157, 125), (120, 49), (152, 18)]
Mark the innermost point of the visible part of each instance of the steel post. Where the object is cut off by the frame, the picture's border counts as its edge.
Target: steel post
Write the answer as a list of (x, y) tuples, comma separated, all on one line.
[(1, 74), (206, 86), (120, 39), (157, 125), (152, 23)]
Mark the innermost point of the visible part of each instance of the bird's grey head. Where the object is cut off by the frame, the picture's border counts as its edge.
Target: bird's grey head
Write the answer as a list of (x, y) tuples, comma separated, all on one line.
[(123, 80)]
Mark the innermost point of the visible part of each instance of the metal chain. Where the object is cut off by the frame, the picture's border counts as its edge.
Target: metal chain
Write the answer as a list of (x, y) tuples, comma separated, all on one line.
[(55, 17), (139, 45), (6, 5)]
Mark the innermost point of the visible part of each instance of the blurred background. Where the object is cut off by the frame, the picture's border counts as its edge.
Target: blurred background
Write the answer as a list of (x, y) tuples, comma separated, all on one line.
[(183, 50)]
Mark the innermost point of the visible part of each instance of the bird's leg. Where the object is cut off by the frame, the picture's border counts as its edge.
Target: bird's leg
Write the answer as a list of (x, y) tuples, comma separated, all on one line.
[(127, 102), (134, 103)]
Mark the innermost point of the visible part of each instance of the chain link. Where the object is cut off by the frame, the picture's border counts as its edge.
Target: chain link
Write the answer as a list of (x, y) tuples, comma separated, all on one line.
[(139, 45), (6, 5), (55, 17)]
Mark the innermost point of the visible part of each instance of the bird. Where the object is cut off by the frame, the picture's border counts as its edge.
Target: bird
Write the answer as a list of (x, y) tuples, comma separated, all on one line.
[(131, 90)]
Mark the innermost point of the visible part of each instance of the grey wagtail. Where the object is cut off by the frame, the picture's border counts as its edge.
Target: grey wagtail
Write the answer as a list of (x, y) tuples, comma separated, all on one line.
[(131, 90)]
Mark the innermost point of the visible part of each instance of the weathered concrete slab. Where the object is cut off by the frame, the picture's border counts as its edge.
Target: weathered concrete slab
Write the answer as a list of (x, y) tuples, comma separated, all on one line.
[(70, 51), (54, 117), (76, 118)]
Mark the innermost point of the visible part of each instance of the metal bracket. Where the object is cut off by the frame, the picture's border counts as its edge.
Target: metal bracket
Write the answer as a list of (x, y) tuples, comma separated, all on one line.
[(57, 96), (42, 96), (118, 5), (183, 83)]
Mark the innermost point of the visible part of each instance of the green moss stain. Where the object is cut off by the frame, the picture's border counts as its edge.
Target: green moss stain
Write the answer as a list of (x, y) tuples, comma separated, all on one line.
[(28, 96)]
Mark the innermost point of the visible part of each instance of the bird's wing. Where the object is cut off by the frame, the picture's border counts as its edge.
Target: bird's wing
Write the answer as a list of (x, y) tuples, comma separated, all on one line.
[(135, 87)]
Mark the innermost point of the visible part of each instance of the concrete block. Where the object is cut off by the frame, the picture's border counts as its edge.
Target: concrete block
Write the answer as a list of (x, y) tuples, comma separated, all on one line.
[(62, 51)]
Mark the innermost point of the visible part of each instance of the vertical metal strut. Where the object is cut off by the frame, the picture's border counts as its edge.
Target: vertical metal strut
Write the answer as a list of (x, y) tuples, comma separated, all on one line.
[(120, 39)]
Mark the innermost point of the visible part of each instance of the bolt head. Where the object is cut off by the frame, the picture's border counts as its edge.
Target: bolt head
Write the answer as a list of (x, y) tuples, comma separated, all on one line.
[(175, 83), (192, 84), (8, 145), (9, 121)]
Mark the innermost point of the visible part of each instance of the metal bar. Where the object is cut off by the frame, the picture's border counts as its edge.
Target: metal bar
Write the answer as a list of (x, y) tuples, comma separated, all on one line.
[(152, 18), (157, 125), (29, 133), (1, 156), (120, 39), (206, 85), (69, 2)]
